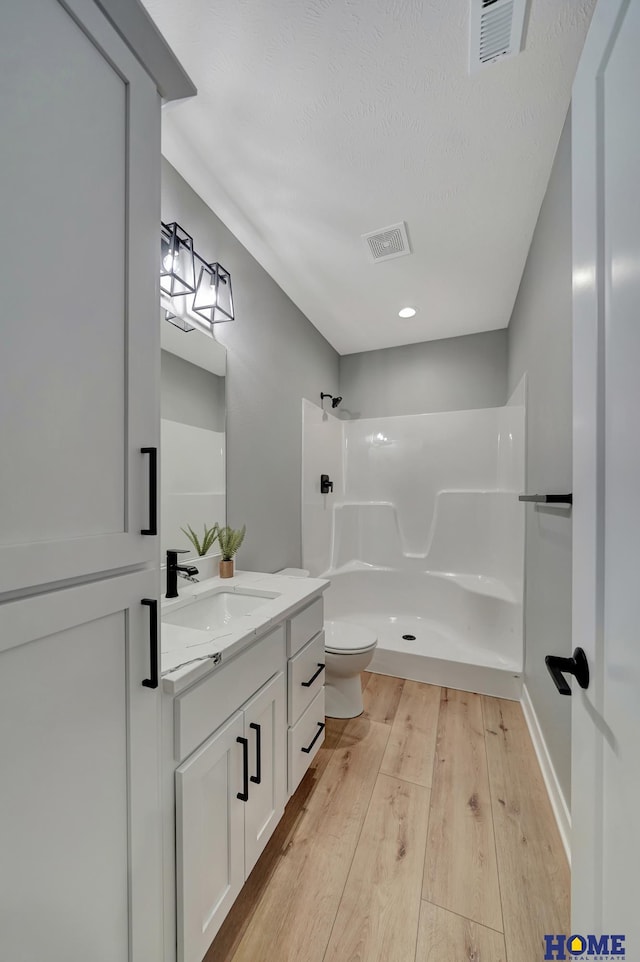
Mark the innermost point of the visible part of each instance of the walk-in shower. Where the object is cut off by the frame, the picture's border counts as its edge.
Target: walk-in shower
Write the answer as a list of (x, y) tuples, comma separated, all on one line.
[(423, 538)]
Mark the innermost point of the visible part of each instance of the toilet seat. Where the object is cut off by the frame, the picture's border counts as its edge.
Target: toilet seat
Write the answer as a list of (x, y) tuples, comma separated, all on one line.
[(346, 638)]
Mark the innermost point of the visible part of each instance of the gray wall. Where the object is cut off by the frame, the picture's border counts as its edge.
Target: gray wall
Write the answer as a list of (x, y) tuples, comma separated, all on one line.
[(455, 374), (540, 345), (275, 357), (189, 394)]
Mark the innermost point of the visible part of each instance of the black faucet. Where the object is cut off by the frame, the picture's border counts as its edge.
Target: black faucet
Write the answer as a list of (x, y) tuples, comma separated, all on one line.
[(173, 568)]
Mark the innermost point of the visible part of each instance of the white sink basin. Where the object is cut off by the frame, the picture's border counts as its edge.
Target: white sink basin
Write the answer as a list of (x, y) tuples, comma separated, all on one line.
[(217, 609)]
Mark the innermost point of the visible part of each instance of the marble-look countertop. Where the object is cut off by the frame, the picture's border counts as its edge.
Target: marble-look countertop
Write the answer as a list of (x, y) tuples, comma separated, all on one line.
[(189, 654)]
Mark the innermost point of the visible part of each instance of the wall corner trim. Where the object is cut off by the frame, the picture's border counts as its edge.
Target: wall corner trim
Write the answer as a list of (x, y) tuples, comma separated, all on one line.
[(556, 797)]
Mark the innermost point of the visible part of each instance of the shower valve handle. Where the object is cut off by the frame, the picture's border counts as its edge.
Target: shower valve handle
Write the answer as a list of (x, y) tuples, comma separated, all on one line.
[(326, 485)]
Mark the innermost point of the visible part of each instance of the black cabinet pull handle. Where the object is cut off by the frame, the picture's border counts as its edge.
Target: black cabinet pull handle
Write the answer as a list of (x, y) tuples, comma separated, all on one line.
[(308, 684), (314, 739), (257, 778), (577, 665), (153, 491), (244, 794), (152, 604)]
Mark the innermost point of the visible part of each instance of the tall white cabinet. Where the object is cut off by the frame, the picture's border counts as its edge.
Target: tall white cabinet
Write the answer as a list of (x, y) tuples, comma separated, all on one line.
[(79, 426)]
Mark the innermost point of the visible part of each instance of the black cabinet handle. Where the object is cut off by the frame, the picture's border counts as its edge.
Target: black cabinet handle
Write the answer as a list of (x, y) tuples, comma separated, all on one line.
[(152, 604), (244, 794), (257, 778), (308, 684), (153, 491), (314, 739), (577, 665)]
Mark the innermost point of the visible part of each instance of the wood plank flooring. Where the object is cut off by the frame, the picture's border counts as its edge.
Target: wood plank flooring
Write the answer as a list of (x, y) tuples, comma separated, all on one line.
[(460, 870), (421, 833)]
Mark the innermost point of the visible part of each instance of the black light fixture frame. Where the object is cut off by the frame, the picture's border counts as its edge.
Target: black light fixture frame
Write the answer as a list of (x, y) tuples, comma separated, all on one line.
[(206, 294), (211, 278), (174, 242)]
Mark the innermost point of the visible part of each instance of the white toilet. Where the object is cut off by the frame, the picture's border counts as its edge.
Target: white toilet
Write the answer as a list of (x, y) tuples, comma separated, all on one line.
[(348, 650)]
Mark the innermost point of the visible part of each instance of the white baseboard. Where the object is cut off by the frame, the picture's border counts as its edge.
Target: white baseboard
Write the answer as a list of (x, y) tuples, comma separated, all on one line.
[(557, 799)]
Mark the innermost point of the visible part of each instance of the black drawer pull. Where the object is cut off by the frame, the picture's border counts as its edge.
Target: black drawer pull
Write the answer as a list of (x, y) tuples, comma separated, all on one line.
[(153, 491), (314, 739), (244, 794), (578, 666), (152, 604), (257, 778), (308, 684)]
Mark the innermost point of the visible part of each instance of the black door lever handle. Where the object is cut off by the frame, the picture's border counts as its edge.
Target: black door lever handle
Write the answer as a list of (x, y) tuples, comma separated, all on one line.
[(577, 665)]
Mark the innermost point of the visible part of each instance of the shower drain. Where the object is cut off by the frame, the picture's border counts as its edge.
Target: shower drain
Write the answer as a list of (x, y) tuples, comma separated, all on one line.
[(408, 637)]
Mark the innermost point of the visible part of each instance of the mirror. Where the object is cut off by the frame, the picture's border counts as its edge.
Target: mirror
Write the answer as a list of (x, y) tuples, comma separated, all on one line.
[(192, 435)]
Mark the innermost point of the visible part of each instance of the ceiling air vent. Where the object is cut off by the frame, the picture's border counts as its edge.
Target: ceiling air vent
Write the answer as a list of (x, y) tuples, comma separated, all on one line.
[(389, 242), (497, 30)]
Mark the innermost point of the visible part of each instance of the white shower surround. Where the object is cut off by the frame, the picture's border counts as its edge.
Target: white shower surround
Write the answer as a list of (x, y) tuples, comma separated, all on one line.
[(423, 535)]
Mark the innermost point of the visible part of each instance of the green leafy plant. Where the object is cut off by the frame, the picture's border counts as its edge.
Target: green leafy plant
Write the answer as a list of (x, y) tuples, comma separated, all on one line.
[(230, 540), (210, 535)]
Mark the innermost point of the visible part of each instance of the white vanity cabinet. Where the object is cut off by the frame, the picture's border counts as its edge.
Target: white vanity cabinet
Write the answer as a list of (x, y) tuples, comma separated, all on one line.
[(236, 743), (305, 690), (230, 791)]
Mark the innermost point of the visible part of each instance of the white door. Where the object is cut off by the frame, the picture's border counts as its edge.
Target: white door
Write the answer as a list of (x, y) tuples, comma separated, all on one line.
[(79, 351), (265, 731), (606, 589), (209, 837), (80, 862)]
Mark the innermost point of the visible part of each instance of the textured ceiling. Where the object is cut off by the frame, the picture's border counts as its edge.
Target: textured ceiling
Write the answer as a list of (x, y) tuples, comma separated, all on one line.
[(320, 120)]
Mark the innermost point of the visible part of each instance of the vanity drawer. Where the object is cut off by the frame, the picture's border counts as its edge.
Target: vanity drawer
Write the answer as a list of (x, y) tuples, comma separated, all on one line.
[(305, 677), (203, 708), (303, 626), (305, 739)]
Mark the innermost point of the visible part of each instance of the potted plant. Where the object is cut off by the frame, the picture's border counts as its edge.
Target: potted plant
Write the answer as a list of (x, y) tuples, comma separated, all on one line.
[(203, 545), (229, 540), (209, 536)]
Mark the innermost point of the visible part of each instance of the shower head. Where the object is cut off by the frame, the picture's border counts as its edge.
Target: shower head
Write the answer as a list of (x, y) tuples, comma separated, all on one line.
[(335, 401)]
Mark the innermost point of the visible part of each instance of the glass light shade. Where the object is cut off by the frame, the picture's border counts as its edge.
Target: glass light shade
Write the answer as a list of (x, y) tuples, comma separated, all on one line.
[(177, 265), (213, 299)]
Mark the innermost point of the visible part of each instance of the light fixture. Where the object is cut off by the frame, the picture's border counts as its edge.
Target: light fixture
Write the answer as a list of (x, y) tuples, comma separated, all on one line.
[(195, 294), (177, 268), (407, 312), (213, 299)]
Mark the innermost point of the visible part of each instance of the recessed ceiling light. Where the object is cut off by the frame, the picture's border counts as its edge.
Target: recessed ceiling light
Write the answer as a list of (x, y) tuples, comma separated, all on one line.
[(407, 312)]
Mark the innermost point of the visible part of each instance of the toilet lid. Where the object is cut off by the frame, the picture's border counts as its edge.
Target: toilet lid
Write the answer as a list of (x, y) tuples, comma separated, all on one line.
[(344, 636)]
